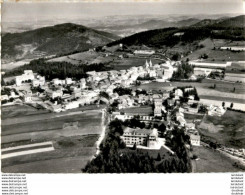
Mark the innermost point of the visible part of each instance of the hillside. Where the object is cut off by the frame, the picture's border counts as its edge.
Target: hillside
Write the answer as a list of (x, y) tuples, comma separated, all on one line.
[(46, 41), (225, 28), (233, 22)]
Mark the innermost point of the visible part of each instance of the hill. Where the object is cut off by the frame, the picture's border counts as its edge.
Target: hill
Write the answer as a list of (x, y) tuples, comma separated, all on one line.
[(52, 40), (231, 28), (233, 22)]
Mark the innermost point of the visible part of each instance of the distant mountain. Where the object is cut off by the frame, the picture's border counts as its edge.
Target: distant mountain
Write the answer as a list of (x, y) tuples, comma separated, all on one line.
[(238, 21), (52, 40), (231, 29), (150, 24)]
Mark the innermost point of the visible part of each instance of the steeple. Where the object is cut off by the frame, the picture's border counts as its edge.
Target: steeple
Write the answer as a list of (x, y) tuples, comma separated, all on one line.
[(146, 64), (150, 63)]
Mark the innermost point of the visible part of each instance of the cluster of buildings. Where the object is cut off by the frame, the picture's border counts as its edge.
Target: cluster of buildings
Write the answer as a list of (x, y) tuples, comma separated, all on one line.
[(86, 91), (171, 116), (29, 76)]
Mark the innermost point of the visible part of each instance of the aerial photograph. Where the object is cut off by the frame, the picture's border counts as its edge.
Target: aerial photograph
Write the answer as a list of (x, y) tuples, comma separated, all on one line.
[(123, 87)]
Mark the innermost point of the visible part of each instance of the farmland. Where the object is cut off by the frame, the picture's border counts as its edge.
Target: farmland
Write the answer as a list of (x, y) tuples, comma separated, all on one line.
[(222, 89), (211, 160), (70, 155), (73, 134), (216, 54), (228, 130)]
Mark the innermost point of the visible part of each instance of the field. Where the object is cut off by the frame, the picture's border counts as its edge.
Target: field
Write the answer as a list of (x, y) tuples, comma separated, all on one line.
[(228, 130), (20, 110), (48, 126), (217, 55), (73, 134), (223, 89), (70, 156), (87, 57), (212, 161)]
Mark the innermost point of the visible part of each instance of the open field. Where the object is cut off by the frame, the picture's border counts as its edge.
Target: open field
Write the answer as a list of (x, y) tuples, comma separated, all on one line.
[(217, 55), (46, 126), (87, 57), (238, 104), (211, 160), (223, 89), (70, 156), (20, 110), (228, 130)]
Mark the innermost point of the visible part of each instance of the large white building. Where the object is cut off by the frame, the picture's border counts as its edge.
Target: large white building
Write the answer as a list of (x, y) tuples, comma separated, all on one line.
[(28, 75), (210, 64), (143, 137)]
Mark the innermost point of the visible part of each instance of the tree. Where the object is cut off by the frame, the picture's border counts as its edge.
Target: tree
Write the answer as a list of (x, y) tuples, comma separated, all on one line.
[(231, 106), (158, 157), (134, 146), (223, 104)]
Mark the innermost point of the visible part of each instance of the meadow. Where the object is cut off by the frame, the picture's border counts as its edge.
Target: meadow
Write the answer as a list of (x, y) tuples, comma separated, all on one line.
[(211, 160), (228, 130), (70, 156)]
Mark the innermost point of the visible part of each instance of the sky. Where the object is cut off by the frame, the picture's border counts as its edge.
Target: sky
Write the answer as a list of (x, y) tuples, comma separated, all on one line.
[(21, 11)]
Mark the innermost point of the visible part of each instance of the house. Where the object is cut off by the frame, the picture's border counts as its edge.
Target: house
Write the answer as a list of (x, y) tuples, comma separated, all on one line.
[(56, 108), (178, 93), (216, 111), (54, 94), (76, 94), (83, 83), (4, 97), (28, 75), (39, 81), (27, 98), (68, 81), (71, 105), (170, 102), (158, 106), (195, 139), (180, 118), (141, 137)]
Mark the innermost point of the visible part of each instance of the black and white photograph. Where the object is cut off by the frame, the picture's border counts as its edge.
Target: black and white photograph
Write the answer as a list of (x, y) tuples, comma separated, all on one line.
[(123, 87)]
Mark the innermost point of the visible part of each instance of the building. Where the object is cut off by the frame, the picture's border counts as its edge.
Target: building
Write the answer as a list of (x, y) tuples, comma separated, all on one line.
[(141, 137), (54, 94), (210, 64), (233, 48), (178, 93), (38, 81), (158, 107), (144, 52), (83, 83), (4, 97), (68, 81), (216, 111), (195, 139), (28, 75)]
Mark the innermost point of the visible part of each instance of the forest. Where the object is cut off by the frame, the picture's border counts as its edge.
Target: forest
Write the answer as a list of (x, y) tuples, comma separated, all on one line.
[(159, 37), (59, 70), (114, 159)]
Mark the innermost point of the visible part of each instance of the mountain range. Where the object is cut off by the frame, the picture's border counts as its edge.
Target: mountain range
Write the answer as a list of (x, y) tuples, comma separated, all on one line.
[(69, 38)]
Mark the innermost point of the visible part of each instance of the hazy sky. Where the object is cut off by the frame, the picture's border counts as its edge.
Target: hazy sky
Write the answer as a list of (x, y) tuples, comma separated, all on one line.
[(26, 11)]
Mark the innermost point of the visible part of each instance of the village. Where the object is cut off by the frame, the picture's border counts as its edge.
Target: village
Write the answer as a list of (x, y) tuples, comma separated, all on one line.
[(114, 88)]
